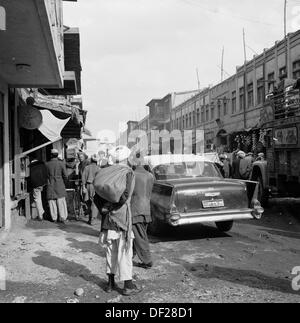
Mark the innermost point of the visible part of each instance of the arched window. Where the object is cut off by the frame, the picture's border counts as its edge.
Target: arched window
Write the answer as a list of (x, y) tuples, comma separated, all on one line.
[(2, 18)]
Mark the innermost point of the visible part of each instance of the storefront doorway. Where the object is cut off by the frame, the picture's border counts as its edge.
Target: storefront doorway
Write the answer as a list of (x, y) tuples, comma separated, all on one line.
[(1, 160)]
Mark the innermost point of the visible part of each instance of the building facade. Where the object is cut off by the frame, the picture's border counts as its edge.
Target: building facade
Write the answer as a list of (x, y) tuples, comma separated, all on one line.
[(33, 78)]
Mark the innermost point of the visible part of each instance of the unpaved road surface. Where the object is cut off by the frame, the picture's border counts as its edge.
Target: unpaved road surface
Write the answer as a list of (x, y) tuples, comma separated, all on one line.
[(46, 262)]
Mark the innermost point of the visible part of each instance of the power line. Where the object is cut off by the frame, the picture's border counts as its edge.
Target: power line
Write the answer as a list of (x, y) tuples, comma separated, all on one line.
[(218, 12)]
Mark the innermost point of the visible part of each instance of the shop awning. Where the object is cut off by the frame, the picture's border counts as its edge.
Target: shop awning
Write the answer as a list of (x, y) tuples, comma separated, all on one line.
[(50, 128)]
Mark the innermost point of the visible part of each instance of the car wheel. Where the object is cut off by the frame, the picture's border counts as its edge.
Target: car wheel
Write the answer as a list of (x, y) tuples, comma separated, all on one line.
[(224, 226)]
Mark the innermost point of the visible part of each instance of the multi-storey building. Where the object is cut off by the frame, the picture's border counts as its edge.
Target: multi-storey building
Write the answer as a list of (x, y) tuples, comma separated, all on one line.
[(230, 112)]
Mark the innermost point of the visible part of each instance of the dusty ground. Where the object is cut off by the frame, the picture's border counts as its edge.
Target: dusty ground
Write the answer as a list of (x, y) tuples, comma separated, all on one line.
[(47, 262)]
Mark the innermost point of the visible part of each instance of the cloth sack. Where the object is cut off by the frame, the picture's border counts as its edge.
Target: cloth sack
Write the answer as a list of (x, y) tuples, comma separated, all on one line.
[(110, 182)]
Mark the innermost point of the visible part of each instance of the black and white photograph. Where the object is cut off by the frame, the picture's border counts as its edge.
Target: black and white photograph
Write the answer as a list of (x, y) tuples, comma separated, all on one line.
[(149, 154)]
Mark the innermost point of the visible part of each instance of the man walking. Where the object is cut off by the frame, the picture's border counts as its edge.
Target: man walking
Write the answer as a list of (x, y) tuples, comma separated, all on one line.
[(236, 174), (141, 213), (103, 162), (114, 187), (56, 190), (88, 177), (37, 181)]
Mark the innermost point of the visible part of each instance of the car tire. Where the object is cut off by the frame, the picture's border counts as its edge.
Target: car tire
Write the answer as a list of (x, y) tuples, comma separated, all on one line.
[(224, 226)]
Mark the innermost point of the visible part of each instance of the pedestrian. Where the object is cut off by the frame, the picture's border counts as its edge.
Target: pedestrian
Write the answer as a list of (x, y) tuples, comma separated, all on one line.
[(260, 157), (114, 187), (236, 164), (56, 189), (37, 181), (103, 161), (226, 167), (88, 178), (83, 162), (246, 166), (141, 212)]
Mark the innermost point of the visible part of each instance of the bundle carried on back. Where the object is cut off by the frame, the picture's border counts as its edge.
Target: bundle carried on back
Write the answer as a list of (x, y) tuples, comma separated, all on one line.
[(110, 182)]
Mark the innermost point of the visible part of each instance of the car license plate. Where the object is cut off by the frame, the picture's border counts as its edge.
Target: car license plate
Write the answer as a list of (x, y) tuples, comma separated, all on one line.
[(213, 204)]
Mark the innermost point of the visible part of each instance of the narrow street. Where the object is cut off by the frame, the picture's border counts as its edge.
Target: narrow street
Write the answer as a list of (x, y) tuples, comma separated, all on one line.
[(46, 262)]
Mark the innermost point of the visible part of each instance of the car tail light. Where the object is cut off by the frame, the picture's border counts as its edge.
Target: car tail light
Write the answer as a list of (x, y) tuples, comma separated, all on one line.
[(258, 210)]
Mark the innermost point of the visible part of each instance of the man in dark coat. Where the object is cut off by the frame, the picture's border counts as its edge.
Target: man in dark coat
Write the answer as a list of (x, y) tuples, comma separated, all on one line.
[(88, 177), (141, 213), (56, 190), (37, 181)]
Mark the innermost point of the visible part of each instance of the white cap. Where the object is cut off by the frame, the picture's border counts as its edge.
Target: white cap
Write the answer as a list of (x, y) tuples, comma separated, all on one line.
[(120, 153), (241, 154)]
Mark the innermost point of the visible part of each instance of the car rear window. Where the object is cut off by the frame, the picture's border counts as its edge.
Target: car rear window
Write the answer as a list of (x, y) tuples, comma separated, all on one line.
[(185, 170)]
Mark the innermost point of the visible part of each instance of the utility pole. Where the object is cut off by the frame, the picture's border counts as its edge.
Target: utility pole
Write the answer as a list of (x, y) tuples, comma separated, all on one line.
[(244, 43), (245, 79), (222, 65), (197, 72), (285, 36)]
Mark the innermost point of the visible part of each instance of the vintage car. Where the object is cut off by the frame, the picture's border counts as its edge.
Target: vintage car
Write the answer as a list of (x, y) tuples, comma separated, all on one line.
[(190, 189)]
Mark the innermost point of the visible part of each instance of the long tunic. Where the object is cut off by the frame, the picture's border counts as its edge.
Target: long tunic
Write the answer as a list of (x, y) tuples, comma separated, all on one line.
[(56, 178)]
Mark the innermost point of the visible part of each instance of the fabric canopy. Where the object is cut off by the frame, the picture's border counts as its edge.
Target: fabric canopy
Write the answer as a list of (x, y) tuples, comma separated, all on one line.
[(51, 126)]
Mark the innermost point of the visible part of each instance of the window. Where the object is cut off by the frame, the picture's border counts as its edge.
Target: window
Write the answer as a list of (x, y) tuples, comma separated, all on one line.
[(190, 119), (183, 122), (225, 106), (207, 114), (198, 116), (296, 70), (219, 109), (202, 115), (233, 102), (250, 96), (242, 97), (187, 120), (212, 112), (260, 91), (271, 82), (282, 73)]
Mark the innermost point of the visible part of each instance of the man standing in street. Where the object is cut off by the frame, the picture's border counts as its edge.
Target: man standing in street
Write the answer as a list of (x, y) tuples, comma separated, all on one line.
[(116, 228), (236, 174), (56, 190), (88, 177), (37, 181), (83, 162), (141, 212), (103, 162)]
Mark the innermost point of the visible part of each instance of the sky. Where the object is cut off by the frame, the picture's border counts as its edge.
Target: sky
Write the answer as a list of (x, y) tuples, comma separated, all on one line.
[(136, 50)]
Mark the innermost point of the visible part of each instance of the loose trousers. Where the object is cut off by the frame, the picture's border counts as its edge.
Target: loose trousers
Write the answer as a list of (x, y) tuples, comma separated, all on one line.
[(58, 208), (37, 197), (141, 243), (118, 257)]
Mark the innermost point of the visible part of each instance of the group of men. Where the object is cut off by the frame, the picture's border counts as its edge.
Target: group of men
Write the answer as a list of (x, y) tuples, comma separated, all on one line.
[(240, 166), (123, 223)]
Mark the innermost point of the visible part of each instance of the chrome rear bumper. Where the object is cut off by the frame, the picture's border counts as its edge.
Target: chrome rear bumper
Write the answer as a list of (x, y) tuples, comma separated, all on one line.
[(209, 216)]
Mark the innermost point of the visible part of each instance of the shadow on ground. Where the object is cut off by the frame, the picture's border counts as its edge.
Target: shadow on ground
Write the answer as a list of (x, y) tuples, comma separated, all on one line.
[(188, 233), (86, 247), (69, 268), (249, 278)]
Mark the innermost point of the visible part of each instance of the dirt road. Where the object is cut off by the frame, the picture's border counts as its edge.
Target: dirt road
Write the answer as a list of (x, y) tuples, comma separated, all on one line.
[(46, 262)]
